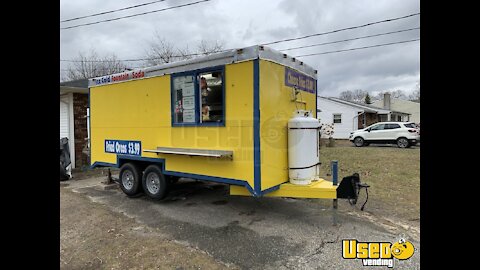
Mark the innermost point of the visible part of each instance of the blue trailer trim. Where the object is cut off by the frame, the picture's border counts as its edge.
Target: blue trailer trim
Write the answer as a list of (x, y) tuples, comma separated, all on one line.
[(161, 162), (268, 190), (103, 164), (334, 169), (256, 129)]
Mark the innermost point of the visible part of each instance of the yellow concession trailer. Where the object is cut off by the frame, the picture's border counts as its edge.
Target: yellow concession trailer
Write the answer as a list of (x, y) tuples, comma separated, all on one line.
[(222, 117)]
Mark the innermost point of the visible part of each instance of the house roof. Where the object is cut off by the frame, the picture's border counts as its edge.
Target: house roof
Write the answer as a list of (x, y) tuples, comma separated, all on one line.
[(365, 107), (76, 86), (396, 100), (82, 83)]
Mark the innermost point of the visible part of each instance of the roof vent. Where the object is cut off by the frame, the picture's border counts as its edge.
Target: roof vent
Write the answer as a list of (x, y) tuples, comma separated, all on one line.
[(284, 55), (239, 51), (260, 47), (293, 59)]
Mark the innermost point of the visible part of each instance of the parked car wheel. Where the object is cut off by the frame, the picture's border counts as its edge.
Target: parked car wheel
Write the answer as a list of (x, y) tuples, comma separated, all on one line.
[(402, 143), (130, 179), (154, 183), (358, 141)]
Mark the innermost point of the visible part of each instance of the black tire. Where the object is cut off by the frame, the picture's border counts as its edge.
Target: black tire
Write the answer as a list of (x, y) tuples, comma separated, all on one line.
[(403, 143), (154, 183), (358, 142), (130, 179)]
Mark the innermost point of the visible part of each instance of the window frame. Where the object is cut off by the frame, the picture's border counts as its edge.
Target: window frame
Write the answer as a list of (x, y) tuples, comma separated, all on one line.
[(195, 73), (333, 120), (377, 125), (392, 126)]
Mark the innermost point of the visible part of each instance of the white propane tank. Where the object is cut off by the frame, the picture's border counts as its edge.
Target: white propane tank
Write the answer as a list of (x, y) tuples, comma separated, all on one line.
[(303, 156)]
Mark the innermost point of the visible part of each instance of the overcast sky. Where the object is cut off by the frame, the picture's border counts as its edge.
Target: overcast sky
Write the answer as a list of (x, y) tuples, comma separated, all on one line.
[(241, 23)]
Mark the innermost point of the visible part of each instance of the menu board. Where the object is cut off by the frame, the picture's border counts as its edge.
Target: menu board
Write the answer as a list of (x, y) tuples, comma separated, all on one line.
[(189, 116), (188, 102), (188, 89), (184, 99)]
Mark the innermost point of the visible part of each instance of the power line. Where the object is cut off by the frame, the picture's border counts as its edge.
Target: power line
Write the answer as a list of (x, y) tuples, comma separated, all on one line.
[(353, 49), (138, 59), (195, 54), (134, 15), (305, 55), (112, 11), (343, 29), (344, 40)]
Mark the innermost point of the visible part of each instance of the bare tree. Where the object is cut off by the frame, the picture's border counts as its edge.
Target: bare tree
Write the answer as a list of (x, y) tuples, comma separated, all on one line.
[(415, 96), (399, 94), (379, 96), (162, 51), (359, 95), (91, 65), (207, 48), (185, 53), (346, 95)]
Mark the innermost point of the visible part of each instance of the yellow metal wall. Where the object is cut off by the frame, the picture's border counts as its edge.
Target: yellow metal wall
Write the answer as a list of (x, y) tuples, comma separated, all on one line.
[(275, 111), (140, 110)]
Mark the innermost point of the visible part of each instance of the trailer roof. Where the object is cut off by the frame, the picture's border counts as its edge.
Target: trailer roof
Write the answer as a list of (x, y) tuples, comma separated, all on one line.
[(215, 59)]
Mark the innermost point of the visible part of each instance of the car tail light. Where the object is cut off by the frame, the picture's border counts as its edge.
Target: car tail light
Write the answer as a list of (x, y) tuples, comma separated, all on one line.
[(412, 130)]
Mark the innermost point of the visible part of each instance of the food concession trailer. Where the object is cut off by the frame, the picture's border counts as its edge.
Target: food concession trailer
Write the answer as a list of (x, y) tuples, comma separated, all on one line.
[(245, 117)]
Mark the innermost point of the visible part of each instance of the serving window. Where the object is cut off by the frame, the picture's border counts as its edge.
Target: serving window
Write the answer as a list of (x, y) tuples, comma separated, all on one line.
[(198, 98)]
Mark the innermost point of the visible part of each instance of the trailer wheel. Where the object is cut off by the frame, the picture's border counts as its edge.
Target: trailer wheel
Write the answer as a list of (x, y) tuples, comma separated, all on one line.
[(130, 179), (154, 183)]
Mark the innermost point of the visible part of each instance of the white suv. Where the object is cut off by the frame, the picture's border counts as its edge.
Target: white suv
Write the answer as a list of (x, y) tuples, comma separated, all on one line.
[(404, 134)]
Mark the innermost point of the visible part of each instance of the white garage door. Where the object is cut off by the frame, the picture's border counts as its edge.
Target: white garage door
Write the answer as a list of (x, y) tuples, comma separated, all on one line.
[(63, 118)]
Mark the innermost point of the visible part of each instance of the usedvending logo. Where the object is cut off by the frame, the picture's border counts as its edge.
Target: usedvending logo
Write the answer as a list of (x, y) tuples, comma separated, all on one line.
[(377, 253)]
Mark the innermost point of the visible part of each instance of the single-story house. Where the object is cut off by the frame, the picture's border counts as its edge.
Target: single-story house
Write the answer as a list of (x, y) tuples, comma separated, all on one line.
[(74, 119), (413, 108), (348, 116)]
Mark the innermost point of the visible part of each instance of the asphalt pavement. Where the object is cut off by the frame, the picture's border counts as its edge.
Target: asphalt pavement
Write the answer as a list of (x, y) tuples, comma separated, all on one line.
[(252, 233)]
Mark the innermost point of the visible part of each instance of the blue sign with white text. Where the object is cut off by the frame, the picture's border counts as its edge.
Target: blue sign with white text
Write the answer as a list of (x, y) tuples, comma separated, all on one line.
[(299, 80), (133, 148)]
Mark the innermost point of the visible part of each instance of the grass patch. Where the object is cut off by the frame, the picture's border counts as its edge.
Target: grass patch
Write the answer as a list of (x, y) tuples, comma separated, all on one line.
[(392, 173)]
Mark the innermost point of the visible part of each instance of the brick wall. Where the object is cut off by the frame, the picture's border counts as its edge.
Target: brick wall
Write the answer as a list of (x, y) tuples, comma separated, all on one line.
[(370, 118), (80, 104)]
